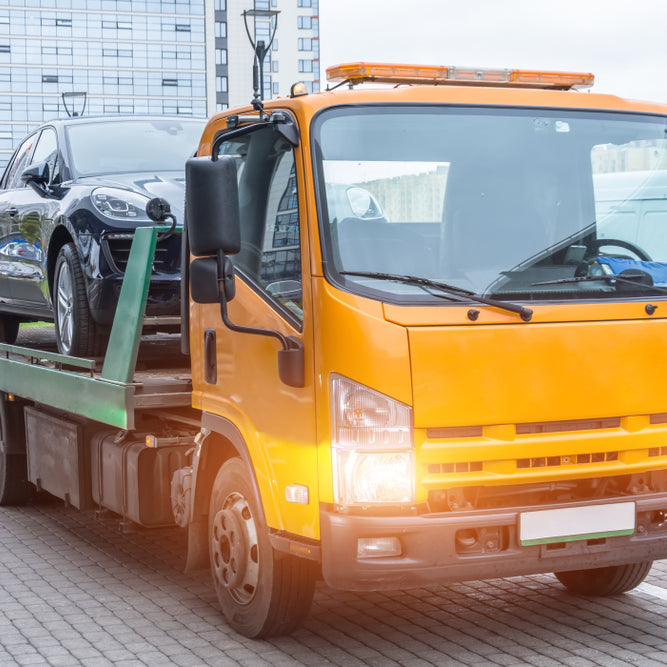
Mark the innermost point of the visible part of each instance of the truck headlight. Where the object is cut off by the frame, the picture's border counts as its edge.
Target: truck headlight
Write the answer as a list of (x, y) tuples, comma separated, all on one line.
[(372, 446)]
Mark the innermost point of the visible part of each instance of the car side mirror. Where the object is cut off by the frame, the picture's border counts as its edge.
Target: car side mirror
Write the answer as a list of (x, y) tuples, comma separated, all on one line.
[(37, 177), (212, 206)]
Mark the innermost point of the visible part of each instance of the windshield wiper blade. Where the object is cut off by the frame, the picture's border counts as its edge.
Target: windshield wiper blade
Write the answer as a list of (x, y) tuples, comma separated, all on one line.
[(458, 293), (606, 278)]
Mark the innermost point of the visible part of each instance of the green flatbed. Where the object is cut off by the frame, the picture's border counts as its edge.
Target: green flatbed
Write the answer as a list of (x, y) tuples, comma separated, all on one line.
[(127, 382)]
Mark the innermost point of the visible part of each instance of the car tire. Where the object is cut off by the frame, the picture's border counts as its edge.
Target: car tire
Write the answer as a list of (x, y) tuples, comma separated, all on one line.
[(75, 328), (9, 329)]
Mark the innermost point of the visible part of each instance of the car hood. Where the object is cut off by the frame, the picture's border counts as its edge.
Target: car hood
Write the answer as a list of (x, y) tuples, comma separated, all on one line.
[(169, 185)]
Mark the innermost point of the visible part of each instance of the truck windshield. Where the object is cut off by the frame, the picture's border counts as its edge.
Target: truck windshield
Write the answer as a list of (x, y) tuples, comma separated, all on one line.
[(505, 203)]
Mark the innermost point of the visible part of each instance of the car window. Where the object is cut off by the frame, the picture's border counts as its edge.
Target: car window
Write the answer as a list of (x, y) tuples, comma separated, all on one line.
[(47, 151), (18, 164)]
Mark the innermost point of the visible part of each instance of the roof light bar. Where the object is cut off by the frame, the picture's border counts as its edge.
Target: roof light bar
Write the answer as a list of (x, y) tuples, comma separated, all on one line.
[(435, 75)]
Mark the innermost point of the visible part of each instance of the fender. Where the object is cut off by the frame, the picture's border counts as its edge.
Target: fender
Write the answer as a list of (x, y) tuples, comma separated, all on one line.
[(221, 441)]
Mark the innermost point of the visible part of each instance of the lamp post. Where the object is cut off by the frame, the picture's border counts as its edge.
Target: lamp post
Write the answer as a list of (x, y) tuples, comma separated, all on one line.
[(81, 97), (260, 48)]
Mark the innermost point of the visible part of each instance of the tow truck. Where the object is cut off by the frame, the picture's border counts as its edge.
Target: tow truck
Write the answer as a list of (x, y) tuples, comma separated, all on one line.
[(423, 329)]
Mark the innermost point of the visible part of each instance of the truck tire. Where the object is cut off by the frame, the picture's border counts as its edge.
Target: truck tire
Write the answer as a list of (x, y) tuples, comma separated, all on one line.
[(604, 581), (9, 329), (14, 486), (262, 593)]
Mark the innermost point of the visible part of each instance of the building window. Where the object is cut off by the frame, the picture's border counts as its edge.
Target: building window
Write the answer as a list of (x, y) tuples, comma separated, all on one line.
[(305, 65), (220, 29), (304, 22), (182, 27), (304, 3), (305, 44), (49, 78), (4, 48), (274, 66), (220, 5), (221, 84), (276, 88), (221, 56), (170, 82)]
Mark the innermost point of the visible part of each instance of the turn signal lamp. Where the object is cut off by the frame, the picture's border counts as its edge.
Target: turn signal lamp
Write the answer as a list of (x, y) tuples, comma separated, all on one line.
[(435, 75)]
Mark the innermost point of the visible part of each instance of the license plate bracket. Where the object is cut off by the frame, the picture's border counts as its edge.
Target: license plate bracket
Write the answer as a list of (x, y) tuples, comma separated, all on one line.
[(567, 524)]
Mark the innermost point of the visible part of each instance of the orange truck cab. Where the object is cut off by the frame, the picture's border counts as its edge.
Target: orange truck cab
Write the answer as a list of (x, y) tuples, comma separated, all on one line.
[(427, 330)]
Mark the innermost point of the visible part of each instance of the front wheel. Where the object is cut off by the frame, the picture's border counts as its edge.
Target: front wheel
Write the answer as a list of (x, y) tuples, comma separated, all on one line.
[(604, 581), (262, 593), (75, 328)]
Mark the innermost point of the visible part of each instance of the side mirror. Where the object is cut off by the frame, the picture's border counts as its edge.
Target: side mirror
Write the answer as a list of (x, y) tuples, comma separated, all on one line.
[(212, 206), (210, 274), (37, 177)]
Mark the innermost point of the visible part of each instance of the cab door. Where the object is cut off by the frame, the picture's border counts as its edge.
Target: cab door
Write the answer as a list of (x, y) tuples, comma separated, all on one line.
[(272, 292)]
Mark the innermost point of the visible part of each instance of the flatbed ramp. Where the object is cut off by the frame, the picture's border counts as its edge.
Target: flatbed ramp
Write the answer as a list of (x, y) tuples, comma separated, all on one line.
[(137, 373)]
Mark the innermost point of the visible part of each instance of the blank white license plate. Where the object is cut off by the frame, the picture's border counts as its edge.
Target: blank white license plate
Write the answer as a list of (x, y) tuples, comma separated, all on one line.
[(576, 523)]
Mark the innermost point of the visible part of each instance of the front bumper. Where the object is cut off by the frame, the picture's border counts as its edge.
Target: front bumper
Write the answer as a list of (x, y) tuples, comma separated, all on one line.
[(433, 551), (163, 297)]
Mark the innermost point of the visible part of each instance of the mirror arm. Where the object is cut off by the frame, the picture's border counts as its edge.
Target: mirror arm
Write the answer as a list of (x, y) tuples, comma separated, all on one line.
[(251, 330), (291, 368)]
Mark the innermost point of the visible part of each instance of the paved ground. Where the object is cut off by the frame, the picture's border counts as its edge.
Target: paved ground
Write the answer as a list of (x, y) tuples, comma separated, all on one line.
[(74, 590)]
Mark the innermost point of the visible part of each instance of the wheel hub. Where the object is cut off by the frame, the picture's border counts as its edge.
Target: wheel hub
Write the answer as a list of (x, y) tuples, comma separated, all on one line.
[(234, 549)]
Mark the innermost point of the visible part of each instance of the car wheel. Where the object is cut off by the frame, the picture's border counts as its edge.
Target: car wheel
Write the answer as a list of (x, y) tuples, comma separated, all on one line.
[(75, 328), (9, 329), (604, 581), (262, 594)]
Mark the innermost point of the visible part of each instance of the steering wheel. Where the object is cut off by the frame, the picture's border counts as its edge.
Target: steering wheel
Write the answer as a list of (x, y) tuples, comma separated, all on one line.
[(595, 245)]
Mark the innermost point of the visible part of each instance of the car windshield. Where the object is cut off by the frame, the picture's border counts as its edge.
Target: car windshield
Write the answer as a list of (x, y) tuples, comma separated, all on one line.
[(530, 204), (126, 146)]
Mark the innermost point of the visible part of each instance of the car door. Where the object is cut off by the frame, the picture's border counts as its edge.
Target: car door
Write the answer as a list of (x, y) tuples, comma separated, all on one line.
[(33, 224), (13, 190)]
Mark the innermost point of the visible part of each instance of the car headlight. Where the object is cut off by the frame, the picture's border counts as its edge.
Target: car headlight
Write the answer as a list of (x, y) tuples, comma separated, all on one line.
[(120, 204), (372, 446)]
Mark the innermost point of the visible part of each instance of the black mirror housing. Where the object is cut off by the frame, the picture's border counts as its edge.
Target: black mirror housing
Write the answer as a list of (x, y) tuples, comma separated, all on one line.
[(207, 275), (37, 176), (212, 206)]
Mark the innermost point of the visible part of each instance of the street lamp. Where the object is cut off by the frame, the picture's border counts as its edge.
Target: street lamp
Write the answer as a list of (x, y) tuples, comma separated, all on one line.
[(74, 97), (260, 49)]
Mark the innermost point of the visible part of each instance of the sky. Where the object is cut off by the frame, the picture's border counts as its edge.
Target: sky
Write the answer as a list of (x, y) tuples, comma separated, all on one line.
[(622, 42)]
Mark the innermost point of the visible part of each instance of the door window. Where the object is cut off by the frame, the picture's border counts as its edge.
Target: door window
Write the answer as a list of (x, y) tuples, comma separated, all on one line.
[(47, 151), (270, 255), (18, 164)]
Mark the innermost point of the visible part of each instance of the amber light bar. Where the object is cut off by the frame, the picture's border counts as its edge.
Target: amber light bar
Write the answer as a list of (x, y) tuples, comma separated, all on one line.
[(435, 75)]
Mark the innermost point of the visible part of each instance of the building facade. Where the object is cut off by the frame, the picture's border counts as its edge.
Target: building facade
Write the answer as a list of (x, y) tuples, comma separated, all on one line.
[(186, 57)]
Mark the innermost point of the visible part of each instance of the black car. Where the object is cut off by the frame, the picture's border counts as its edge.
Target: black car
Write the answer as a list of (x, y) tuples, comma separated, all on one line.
[(70, 199)]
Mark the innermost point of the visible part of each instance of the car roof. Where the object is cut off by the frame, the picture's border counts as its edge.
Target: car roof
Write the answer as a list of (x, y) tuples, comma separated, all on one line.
[(82, 120)]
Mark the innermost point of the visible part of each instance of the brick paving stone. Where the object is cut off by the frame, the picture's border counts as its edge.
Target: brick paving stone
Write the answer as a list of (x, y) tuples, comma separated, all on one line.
[(74, 590)]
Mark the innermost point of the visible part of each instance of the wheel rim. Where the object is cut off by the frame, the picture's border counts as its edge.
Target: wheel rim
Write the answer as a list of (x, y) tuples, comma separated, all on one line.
[(64, 307), (235, 549)]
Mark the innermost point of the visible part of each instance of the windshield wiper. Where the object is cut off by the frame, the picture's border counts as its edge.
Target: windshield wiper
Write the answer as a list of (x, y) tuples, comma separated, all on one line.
[(635, 282), (453, 292)]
